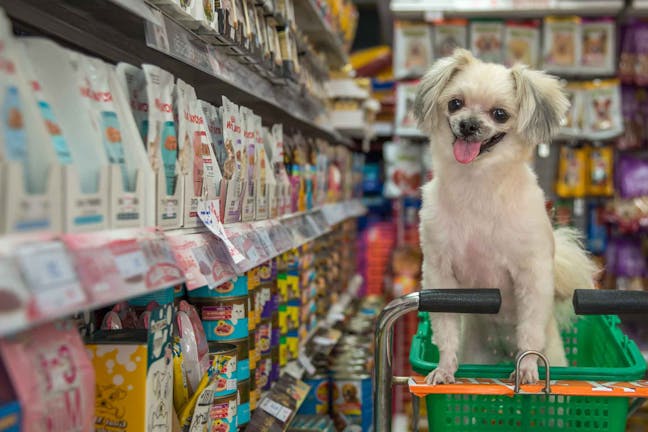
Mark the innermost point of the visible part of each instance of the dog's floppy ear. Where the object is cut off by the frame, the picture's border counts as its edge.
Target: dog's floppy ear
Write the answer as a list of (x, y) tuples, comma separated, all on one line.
[(433, 83), (542, 104)]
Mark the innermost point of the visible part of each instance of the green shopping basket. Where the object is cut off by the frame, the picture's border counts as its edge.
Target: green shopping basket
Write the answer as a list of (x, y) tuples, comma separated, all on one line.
[(597, 350)]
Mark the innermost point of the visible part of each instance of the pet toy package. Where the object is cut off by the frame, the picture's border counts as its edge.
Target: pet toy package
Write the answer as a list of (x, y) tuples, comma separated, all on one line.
[(572, 171), (602, 109), (233, 165), (600, 178), (562, 44), (486, 40), (598, 44), (134, 376), (522, 43), (413, 49), (405, 120), (163, 146), (449, 34), (53, 378)]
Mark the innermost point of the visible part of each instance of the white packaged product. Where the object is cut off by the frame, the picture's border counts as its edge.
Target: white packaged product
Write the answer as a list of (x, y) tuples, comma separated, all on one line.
[(449, 35), (248, 164), (486, 40), (271, 181), (232, 171), (284, 200), (262, 169), (522, 42), (405, 120), (413, 49), (215, 127), (133, 81)]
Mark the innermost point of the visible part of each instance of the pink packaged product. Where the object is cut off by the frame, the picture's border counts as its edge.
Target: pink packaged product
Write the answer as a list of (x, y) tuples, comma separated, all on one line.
[(53, 377)]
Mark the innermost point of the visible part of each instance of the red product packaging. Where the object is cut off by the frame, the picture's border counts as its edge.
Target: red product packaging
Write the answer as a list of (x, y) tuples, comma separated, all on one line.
[(53, 377)]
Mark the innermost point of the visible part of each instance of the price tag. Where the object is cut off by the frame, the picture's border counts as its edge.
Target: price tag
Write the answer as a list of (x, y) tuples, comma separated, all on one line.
[(276, 410), (208, 214), (50, 276)]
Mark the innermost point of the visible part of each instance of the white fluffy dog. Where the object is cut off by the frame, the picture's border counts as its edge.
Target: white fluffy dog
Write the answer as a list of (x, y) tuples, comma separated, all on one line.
[(483, 220)]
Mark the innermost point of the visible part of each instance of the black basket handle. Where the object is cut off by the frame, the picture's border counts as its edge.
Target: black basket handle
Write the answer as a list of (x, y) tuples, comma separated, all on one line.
[(609, 302), (470, 301)]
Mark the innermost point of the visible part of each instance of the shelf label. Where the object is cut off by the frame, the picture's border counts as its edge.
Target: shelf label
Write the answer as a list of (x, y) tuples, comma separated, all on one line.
[(276, 410)]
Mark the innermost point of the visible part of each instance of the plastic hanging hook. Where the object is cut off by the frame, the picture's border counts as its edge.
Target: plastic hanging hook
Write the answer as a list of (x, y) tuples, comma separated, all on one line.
[(518, 361)]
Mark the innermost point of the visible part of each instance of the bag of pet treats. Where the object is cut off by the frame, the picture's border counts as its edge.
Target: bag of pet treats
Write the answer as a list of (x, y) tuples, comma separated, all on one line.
[(412, 49), (640, 32), (162, 143), (628, 54), (215, 127), (598, 46), (632, 176), (281, 175), (522, 43), (633, 120), (232, 167), (562, 44), (449, 34), (572, 170), (572, 124), (602, 113), (600, 173), (133, 82), (406, 124), (53, 378), (403, 168), (486, 40)]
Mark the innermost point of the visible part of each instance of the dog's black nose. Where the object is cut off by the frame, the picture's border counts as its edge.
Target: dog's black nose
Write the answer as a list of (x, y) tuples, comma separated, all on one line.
[(469, 127)]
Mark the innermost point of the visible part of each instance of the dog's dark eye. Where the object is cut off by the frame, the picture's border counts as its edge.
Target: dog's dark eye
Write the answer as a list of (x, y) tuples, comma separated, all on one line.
[(499, 115), (455, 105)]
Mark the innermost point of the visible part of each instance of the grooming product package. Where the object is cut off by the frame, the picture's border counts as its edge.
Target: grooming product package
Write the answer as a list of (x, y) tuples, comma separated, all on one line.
[(162, 145), (406, 124), (522, 43), (487, 40), (572, 172), (233, 166), (449, 34), (600, 171), (413, 49), (598, 46), (134, 375), (562, 44), (602, 109), (53, 378), (249, 162)]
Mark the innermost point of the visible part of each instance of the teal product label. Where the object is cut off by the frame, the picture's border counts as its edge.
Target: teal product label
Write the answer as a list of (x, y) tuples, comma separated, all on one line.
[(15, 136), (143, 128), (232, 288), (112, 139), (224, 329), (243, 414), (243, 370), (58, 140), (169, 151)]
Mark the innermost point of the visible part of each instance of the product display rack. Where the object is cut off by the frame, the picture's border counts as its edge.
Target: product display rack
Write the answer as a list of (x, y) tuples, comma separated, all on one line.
[(320, 32), (116, 33)]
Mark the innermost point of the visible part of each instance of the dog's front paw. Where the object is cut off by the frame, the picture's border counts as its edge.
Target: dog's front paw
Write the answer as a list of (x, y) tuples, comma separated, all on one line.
[(528, 371), (440, 376)]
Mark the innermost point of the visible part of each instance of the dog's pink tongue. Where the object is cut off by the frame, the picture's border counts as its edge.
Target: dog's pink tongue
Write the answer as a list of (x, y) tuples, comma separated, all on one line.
[(466, 151)]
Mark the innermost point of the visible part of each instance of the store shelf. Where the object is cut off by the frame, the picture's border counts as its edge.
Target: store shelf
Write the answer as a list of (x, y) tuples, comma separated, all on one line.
[(52, 277), (433, 9), (319, 32), (116, 31)]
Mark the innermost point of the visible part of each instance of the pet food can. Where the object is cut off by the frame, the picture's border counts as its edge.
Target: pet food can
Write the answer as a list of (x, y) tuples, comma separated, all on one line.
[(243, 412), (263, 370), (263, 336), (317, 400), (242, 357), (352, 399), (224, 318), (223, 413), (252, 314), (254, 392), (223, 357), (254, 352), (237, 287)]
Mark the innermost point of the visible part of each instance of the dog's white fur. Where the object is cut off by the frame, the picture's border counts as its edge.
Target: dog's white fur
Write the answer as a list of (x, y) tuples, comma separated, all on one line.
[(484, 224)]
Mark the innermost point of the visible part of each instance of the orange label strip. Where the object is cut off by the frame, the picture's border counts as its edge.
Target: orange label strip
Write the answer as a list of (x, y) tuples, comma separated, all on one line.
[(485, 386)]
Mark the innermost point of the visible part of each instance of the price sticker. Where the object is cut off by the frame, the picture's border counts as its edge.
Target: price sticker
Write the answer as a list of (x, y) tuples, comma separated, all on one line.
[(276, 410), (208, 214)]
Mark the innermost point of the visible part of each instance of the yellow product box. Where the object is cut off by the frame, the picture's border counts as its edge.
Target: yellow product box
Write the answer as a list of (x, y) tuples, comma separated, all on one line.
[(134, 376)]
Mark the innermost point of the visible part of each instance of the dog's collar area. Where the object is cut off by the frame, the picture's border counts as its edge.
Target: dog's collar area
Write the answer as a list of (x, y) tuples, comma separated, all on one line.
[(490, 143)]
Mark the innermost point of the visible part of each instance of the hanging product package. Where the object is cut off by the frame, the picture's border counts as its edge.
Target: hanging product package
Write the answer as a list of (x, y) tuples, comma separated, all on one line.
[(163, 146), (562, 44), (598, 46), (572, 170), (522, 43), (600, 179), (572, 125), (413, 49), (53, 377), (486, 40), (602, 109), (449, 34)]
